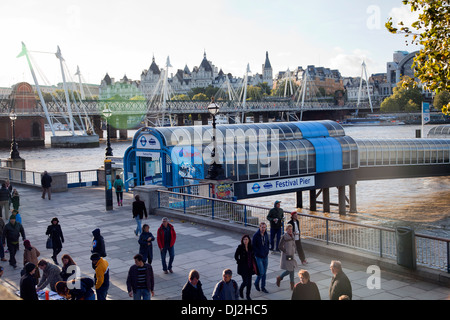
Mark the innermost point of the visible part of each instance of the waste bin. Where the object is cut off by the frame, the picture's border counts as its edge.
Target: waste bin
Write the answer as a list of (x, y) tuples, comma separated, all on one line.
[(406, 247)]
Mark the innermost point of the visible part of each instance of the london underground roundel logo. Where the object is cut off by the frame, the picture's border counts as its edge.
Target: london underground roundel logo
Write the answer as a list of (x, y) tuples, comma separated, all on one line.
[(256, 187), (143, 141)]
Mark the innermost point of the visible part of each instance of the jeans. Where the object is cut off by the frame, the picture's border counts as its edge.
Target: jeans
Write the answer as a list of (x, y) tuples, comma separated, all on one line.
[(141, 294), (4, 210), (290, 273), (262, 264), (138, 225), (2, 250), (12, 248), (102, 292), (275, 232), (171, 257)]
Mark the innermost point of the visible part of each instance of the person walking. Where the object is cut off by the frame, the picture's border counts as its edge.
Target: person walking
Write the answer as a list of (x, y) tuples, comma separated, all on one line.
[(11, 234), (275, 217), (296, 230), (55, 233), (340, 284), (2, 250), (246, 265), (192, 290), (4, 202), (287, 260), (101, 277), (145, 244), (166, 238), (305, 289), (260, 245), (9, 187), (31, 254), (68, 267), (139, 211), (118, 186), (15, 199), (98, 243), (140, 280), (227, 288), (46, 183), (28, 283), (51, 274), (80, 289)]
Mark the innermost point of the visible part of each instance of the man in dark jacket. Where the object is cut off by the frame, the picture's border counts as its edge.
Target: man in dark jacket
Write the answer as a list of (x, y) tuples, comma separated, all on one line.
[(46, 183), (98, 243), (140, 280), (192, 290), (4, 202), (139, 211), (340, 284), (11, 233), (275, 217), (260, 245), (28, 283)]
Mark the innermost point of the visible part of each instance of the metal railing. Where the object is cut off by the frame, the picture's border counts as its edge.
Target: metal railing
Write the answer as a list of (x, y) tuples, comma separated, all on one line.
[(75, 179), (85, 178), (433, 252)]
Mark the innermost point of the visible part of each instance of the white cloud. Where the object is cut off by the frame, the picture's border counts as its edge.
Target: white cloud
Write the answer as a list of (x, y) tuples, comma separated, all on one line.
[(403, 14), (349, 64)]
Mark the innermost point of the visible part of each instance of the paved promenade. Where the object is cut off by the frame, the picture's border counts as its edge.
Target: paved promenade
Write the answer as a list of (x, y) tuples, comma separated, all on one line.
[(208, 249)]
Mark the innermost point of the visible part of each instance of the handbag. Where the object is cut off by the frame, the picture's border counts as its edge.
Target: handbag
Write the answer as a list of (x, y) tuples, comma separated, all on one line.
[(49, 244)]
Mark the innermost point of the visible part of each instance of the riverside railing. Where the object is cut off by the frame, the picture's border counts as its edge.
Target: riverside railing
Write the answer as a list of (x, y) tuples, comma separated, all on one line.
[(80, 178), (431, 251)]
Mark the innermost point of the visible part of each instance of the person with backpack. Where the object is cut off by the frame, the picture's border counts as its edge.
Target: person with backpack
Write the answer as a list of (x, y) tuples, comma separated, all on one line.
[(227, 288), (118, 185)]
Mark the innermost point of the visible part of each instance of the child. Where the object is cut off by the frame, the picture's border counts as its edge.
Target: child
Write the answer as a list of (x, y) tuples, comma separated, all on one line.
[(15, 200), (17, 214)]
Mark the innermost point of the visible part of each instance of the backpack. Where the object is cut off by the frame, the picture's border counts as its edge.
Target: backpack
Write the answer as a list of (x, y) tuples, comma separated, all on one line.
[(222, 282)]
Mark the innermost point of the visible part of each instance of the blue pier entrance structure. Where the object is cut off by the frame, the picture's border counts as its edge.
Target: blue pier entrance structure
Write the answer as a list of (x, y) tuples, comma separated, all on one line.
[(259, 159)]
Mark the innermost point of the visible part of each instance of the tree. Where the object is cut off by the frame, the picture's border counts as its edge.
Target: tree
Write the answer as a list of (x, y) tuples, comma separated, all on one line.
[(441, 99), (180, 97), (200, 96), (405, 98), (431, 31)]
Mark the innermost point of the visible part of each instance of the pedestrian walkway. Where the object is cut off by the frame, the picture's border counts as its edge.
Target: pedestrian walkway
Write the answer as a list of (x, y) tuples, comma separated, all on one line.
[(208, 249)]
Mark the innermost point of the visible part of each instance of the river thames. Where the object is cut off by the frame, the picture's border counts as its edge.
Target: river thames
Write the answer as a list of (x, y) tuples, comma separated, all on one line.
[(421, 203)]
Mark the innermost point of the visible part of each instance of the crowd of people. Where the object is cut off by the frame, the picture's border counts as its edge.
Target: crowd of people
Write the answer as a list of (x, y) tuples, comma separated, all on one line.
[(251, 257)]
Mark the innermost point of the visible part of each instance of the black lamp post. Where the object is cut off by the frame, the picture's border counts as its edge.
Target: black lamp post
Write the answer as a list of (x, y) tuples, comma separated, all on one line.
[(14, 150), (215, 170), (107, 113)]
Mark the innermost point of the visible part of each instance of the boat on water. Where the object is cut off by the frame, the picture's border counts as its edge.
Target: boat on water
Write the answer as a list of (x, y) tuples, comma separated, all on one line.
[(372, 121)]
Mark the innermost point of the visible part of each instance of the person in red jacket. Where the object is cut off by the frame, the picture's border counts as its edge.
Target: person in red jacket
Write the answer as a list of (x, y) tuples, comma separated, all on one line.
[(166, 237)]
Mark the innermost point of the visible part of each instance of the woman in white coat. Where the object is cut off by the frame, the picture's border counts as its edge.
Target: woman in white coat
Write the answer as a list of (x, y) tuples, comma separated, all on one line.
[(287, 261)]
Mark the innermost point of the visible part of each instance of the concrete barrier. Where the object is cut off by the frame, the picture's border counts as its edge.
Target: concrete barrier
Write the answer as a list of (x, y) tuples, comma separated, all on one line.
[(59, 181), (149, 194)]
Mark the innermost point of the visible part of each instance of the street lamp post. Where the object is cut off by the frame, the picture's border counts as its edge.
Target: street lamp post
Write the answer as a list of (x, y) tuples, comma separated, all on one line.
[(107, 113), (215, 170), (107, 163), (14, 150)]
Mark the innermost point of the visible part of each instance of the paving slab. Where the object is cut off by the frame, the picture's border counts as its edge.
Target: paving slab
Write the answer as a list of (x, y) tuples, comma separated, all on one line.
[(205, 248)]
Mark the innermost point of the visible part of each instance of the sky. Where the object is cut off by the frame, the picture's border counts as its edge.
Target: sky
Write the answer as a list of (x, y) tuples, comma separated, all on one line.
[(121, 37)]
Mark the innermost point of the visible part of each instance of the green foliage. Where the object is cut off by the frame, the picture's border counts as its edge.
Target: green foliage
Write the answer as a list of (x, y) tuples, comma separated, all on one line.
[(200, 96), (431, 32), (180, 97), (408, 99), (441, 99)]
